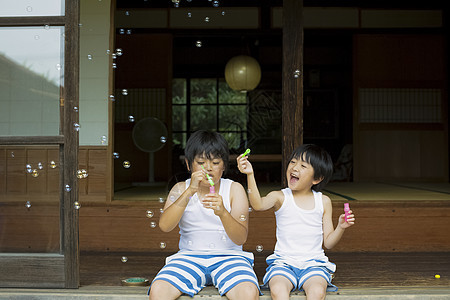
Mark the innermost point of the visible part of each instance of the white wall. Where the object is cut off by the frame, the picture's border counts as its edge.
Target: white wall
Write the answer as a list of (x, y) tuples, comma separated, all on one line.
[(95, 65)]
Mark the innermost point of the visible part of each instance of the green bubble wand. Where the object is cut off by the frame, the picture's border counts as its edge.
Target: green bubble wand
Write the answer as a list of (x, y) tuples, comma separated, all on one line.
[(211, 182), (247, 152)]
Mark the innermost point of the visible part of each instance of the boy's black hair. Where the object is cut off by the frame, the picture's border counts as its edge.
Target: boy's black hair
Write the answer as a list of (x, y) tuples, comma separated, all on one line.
[(319, 159), (208, 143)]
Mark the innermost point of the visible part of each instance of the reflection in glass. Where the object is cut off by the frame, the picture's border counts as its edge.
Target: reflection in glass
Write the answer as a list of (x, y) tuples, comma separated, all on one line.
[(31, 60), (29, 8)]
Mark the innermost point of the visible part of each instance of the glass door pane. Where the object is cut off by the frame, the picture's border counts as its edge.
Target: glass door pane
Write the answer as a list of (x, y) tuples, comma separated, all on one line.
[(28, 8), (31, 70)]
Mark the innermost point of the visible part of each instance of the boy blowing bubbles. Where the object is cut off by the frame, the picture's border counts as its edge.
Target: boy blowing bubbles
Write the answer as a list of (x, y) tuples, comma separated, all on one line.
[(213, 227), (303, 216)]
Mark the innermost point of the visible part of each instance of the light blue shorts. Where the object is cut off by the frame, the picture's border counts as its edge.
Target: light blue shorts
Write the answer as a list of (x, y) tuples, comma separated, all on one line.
[(298, 276), (191, 273)]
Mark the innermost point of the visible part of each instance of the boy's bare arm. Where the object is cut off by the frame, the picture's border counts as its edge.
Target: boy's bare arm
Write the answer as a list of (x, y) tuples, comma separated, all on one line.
[(331, 235), (235, 222), (176, 203), (256, 201)]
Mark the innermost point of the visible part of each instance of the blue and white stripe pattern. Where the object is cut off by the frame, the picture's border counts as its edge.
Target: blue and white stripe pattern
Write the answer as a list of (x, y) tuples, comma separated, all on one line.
[(298, 276), (191, 273)]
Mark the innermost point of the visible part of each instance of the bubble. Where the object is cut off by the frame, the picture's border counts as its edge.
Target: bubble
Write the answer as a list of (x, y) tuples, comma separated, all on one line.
[(12, 154), (206, 19), (223, 13), (75, 108), (112, 98), (259, 248), (36, 37), (35, 173), (162, 245), (215, 3), (127, 13), (116, 155), (104, 140), (212, 246), (125, 92), (40, 166), (52, 164), (152, 224), (47, 27), (114, 56), (249, 191), (108, 52), (128, 31), (58, 67), (190, 243), (189, 15), (250, 209), (84, 173), (67, 188), (163, 139), (119, 52), (79, 174), (29, 9), (126, 164), (242, 218), (297, 73), (121, 31), (161, 200), (198, 44), (28, 204), (114, 65), (149, 213), (89, 56), (124, 259), (224, 238), (131, 119), (29, 170), (161, 210), (76, 126), (77, 205)]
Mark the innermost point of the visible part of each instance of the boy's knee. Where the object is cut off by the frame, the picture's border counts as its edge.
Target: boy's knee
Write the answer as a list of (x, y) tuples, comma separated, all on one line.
[(316, 292)]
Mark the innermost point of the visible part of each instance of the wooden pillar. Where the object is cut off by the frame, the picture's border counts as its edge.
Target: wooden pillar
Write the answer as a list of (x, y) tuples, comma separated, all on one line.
[(292, 80), (71, 142)]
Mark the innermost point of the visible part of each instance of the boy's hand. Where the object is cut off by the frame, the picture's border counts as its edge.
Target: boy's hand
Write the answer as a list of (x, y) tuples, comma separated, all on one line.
[(244, 165), (350, 220), (214, 202), (196, 178)]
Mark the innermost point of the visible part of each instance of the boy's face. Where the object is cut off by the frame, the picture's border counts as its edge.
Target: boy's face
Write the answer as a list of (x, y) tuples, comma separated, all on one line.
[(300, 175), (213, 166)]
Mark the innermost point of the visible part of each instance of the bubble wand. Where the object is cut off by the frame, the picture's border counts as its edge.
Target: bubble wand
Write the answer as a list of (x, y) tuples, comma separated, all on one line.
[(247, 152), (211, 182)]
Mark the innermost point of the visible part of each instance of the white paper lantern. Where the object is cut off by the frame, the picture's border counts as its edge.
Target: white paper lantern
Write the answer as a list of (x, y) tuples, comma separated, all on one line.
[(242, 73)]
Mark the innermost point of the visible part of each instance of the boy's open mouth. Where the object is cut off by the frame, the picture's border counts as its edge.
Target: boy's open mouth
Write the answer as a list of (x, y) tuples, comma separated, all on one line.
[(293, 178)]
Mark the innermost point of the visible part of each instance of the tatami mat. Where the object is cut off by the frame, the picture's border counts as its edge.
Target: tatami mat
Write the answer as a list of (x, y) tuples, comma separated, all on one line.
[(376, 191)]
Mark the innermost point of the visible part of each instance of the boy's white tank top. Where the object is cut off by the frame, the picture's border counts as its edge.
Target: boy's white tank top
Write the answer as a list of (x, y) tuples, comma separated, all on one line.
[(201, 229), (300, 231)]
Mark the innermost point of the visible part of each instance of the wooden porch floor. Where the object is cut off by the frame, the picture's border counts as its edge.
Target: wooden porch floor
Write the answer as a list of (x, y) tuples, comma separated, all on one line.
[(354, 270)]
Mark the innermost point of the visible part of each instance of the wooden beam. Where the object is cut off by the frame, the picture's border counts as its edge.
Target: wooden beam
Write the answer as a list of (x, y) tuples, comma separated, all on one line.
[(292, 79), (32, 270), (32, 21), (71, 143), (31, 140)]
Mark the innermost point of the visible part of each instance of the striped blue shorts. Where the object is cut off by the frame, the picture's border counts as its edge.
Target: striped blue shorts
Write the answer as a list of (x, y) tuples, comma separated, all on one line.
[(298, 276), (191, 273)]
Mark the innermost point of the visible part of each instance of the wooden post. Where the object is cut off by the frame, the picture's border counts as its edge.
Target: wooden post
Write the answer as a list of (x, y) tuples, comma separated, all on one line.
[(292, 85), (71, 143)]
